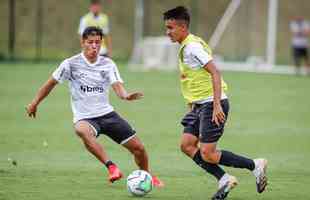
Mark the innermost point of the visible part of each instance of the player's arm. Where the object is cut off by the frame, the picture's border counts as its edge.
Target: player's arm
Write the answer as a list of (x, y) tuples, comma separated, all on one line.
[(203, 59), (307, 29), (121, 92), (43, 92), (218, 114)]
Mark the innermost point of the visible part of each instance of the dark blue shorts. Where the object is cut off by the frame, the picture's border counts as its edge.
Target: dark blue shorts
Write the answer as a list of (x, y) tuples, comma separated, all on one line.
[(199, 123), (112, 125)]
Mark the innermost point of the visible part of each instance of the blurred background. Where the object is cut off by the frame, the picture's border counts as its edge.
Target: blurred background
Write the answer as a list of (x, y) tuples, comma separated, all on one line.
[(270, 113), (47, 29)]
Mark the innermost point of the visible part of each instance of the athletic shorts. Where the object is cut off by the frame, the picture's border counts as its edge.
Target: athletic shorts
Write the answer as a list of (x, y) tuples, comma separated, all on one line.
[(112, 125), (298, 54), (198, 122)]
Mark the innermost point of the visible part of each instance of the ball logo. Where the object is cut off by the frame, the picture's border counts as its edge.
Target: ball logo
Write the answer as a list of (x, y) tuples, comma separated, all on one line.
[(86, 88)]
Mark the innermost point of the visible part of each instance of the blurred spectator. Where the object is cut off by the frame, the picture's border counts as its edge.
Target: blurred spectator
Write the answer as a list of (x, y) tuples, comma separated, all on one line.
[(300, 31), (97, 18)]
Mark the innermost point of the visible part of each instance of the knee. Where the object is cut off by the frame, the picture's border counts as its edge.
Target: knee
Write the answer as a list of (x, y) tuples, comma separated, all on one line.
[(187, 149), (81, 133), (138, 149), (85, 136), (208, 156)]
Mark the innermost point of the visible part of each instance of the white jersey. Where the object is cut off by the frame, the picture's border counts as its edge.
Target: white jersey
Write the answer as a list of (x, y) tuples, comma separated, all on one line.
[(299, 40), (89, 84)]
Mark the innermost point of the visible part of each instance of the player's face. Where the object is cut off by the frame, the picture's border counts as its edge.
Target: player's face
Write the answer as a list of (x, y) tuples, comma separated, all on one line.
[(95, 8), (174, 30), (91, 46)]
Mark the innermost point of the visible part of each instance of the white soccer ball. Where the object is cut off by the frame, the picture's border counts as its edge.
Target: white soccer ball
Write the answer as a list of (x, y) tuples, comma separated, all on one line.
[(139, 183)]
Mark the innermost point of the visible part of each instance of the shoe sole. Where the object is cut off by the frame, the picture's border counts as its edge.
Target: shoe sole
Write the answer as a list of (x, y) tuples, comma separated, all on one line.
[(222, 193), (263, 182)]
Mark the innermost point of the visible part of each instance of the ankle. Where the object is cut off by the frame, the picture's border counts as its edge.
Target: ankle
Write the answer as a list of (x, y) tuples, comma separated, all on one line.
[(108, 163)]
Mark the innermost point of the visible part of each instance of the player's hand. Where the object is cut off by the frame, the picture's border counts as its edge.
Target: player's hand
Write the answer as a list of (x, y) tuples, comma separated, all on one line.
[(218, 115), (31, 110), (134, 96)]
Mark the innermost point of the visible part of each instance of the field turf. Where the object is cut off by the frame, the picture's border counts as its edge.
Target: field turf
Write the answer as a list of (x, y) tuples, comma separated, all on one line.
[(270, 117)]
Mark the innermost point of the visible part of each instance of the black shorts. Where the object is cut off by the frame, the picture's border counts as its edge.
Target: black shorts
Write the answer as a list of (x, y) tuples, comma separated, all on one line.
[(112, 125), (199, 123), (298, 54)]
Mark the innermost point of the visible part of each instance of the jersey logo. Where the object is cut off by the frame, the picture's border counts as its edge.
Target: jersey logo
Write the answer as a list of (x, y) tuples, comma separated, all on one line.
[(86, 88)]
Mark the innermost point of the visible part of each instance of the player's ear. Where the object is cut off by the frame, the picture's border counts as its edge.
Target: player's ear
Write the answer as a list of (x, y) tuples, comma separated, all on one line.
[(81, 41), (183, 26)]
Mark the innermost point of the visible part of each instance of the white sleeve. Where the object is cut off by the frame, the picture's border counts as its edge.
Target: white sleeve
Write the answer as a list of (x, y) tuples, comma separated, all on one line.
[(198, 55), (82, 26), (294, 27), (114, 75), (62, 73), (106, 30)]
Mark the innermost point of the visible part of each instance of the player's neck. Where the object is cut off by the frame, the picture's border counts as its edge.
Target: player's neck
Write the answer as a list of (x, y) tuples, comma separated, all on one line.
[(90, 59), (183, 37)]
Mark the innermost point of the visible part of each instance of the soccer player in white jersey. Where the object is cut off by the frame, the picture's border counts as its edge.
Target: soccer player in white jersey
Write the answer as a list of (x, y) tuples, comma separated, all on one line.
[(90, 76), (205, 92)]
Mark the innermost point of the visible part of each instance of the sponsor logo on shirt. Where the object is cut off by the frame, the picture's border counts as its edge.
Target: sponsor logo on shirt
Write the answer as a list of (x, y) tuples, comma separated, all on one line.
[(86, 88)]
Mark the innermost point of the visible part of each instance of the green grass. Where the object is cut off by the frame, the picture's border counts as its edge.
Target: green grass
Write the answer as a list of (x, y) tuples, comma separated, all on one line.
[(269, 117)]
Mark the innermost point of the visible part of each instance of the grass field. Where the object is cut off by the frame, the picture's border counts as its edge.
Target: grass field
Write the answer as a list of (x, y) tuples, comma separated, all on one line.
[(270, 117)]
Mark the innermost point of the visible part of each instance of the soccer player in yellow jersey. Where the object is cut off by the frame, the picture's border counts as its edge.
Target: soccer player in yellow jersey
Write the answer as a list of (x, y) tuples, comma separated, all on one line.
[(205, 91), (97, 18)]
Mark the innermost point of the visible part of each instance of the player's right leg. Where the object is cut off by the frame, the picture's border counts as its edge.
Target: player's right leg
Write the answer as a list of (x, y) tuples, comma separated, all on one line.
[(119, 130), (189, 146), (87, 133)]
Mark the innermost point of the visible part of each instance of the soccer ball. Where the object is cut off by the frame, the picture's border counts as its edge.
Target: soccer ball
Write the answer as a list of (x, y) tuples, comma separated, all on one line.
[(139, 183)]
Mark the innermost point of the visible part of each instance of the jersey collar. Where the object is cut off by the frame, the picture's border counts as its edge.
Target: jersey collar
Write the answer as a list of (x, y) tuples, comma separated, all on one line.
[(89, 63), (188, 37)]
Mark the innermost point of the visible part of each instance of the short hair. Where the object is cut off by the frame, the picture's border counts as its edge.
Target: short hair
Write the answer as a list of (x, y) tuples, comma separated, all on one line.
[(179, 13), (92, 31), (92, 2)]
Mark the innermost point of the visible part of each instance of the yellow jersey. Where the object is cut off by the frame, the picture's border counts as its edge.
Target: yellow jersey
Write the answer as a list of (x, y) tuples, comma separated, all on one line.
[(196, 84)]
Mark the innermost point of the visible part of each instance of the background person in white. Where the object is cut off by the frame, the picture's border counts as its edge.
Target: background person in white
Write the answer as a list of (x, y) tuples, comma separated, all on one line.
[(89, 76), (300, 32), (96, 17)]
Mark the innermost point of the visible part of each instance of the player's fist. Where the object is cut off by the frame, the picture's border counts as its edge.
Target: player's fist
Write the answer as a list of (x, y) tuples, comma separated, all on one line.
[(31, 110)]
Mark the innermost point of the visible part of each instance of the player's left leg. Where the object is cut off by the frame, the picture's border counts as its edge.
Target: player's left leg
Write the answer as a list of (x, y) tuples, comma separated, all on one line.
[(297, 60), (227, 158), (211, 133), (135, 146), (307, 61), (119, 130)]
